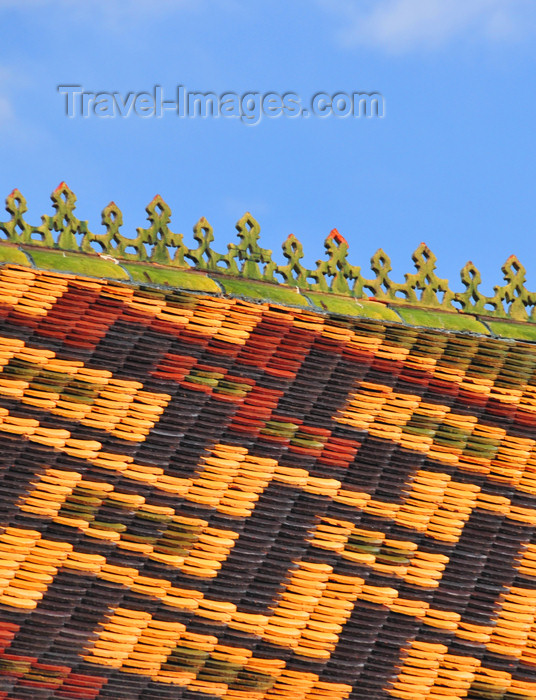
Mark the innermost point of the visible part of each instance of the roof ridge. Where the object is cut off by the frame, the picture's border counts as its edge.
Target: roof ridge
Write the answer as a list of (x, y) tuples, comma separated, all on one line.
[(247, 260)]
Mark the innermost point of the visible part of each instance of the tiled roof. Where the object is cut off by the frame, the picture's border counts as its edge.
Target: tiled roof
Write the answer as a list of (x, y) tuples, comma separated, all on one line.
[(204, 496)]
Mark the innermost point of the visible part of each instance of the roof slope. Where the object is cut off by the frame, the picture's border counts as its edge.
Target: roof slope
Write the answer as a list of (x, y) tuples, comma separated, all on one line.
[(208, 497)]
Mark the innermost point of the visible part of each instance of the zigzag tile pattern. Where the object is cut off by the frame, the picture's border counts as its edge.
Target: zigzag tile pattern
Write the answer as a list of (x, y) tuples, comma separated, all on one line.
[(204, 497)]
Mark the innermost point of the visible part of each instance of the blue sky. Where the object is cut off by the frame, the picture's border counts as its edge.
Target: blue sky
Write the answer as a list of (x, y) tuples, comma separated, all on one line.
[(452, 163)]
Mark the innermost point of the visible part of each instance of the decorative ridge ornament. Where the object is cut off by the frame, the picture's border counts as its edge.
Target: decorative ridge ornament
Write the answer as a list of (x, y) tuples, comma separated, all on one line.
[(248, 260)]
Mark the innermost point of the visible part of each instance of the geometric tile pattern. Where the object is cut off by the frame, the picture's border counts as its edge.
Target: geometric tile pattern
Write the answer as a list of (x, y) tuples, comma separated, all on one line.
[(204, 497)]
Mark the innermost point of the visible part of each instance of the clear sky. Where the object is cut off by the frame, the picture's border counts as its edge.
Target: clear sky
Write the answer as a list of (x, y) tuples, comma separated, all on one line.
[(452, 163)]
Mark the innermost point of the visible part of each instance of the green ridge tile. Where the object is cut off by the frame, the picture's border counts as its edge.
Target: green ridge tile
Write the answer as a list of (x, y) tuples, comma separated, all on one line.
[(510, 329), (262, 290), (440, 319), (178, 279), (12, 254), (87, 265), (352, 307)]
